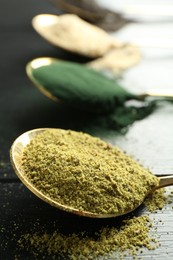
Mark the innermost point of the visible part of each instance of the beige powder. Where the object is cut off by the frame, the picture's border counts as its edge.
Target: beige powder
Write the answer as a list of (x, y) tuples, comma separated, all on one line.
[(118, 59), (72, 33)]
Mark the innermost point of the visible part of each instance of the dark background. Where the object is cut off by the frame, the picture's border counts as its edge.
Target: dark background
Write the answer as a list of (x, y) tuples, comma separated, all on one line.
[(23, 107)]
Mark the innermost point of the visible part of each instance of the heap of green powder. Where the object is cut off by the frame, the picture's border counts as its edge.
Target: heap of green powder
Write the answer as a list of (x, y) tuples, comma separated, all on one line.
[(81, 87), (113, 242), (86, 173)]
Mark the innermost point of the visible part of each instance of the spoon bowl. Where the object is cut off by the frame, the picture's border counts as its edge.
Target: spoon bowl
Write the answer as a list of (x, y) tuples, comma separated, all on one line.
[(35, 64), (48, 61), (16, 156), (73, 34), (75, 85)]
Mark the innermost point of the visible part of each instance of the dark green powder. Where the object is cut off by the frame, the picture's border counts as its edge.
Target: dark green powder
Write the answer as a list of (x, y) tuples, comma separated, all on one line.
[(122, 116), (81, 87)]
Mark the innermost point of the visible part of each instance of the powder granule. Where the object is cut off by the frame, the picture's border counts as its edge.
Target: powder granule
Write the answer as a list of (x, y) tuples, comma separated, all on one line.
[(109, 241), (156, 200), (86, 173)]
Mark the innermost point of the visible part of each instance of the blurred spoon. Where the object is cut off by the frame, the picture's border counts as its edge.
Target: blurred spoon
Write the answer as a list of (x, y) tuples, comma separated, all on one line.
[(91, 11), (35, 64), (47, 61), (16, 153), (73, 34)]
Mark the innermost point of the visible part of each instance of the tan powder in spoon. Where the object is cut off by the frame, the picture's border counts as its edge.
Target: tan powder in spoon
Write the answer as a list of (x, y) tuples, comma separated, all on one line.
[(86, 173), (74, 34), (118, 59)]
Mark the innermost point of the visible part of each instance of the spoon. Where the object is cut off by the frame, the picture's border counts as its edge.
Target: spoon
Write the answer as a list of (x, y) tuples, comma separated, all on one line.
[(92, 12), (47, 61), (73, 34), (16, 154), (35, 64), (78, 36)]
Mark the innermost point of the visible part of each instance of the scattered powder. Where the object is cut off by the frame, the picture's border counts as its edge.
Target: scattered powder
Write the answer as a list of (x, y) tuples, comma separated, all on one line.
[(155, 200), (132, 235), (5, 167), (170, 198), (86, 173), (1, 164)]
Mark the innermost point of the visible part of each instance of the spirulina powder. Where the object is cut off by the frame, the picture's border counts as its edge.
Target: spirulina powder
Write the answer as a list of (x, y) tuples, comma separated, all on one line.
[(86, 173), (81, 87)]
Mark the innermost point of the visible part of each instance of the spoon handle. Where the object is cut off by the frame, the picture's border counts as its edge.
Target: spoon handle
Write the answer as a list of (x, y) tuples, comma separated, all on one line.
[(165, 181), (164, 93), (164, 11)]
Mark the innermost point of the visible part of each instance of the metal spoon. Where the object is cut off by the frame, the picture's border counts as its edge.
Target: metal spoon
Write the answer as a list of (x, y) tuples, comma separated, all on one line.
[(46, 61), (16, 155), (35, 64)]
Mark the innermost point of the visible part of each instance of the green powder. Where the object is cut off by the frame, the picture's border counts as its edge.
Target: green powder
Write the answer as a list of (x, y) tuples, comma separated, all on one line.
[(113, 242), (81, 87), (121, 117), (86, 173), (128, 238), (155, 200), (116, 241)]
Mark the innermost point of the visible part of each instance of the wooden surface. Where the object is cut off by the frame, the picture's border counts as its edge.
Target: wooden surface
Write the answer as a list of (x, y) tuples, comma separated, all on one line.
[(23, 108)]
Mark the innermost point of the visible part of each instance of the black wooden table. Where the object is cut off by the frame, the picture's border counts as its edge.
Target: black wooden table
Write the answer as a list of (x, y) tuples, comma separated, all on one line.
[(23, 107)]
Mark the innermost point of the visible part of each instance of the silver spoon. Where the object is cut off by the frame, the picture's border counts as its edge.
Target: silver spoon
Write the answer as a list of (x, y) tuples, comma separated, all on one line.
[(16, 155), (46, 61)]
